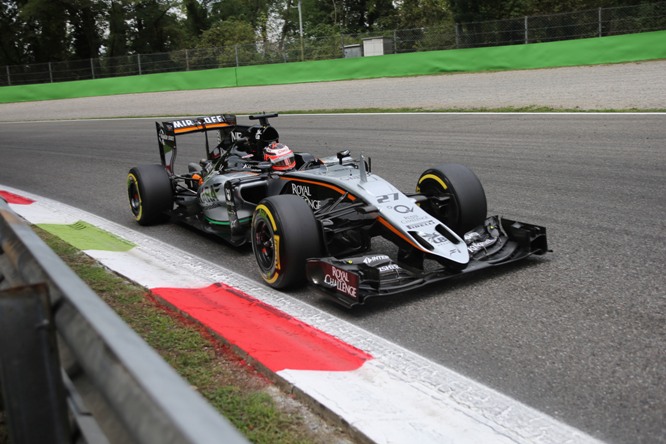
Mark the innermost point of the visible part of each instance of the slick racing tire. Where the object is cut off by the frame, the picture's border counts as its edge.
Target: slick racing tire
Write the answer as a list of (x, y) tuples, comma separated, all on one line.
[(456, 196), (150, 193), (284, 234)]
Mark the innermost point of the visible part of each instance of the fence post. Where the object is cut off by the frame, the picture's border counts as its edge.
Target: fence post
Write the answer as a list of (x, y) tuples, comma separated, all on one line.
[(50, 73), (92, 68), (236, 51), (600, 24), (457, 35), (9, 80), (527, 39), (138, 60), (187, 60)]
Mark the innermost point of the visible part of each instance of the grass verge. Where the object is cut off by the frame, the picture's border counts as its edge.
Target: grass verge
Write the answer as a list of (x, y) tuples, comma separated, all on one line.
[(250, 401)]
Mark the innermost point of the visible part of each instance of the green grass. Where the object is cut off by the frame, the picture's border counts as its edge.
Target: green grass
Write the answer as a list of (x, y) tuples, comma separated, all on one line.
[(236, 390)]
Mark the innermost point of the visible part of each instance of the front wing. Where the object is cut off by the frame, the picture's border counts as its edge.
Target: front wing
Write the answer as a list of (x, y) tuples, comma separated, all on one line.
[(351, 281)]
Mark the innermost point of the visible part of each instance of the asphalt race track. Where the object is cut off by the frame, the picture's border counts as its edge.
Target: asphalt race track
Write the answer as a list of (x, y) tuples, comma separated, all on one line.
[(579, 334)]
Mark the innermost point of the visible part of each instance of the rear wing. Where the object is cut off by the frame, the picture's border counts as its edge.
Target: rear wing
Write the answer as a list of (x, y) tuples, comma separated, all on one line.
[(167, 132)]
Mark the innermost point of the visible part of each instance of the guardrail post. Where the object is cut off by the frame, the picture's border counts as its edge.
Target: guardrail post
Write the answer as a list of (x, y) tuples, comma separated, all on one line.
[(32, 387)]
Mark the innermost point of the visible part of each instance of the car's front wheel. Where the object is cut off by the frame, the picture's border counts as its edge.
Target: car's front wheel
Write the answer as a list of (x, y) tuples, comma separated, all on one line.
[(455, 196), (150, 193), (284, 234)]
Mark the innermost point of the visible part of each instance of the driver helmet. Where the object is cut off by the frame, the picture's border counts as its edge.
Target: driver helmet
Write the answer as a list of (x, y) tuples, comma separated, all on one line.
[(280, 156)]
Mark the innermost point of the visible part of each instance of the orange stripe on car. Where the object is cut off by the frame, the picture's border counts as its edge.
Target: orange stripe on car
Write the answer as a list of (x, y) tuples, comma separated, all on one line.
[(189, 129), (400, 234)]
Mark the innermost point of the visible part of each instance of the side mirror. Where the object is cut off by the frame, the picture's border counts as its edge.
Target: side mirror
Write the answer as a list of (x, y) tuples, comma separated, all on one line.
[(342, 154)]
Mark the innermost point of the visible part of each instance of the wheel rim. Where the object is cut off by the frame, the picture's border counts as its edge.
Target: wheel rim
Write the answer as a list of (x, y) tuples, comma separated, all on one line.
[(134, 198), (264, 245)]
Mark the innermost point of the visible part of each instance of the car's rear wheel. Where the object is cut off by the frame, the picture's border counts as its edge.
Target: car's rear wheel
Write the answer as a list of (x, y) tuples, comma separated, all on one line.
[(150, 193), (284, 234), (455, 196)]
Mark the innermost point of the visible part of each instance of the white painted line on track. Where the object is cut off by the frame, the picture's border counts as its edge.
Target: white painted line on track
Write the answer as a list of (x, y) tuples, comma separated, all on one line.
[(387, 113), (396, 397)]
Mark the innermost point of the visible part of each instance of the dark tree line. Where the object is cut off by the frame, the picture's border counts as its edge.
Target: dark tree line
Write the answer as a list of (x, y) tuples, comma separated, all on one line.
[(37, 31)]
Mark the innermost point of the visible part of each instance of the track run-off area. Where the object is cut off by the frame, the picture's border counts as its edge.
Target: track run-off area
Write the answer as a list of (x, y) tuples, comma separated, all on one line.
[(579, 334)]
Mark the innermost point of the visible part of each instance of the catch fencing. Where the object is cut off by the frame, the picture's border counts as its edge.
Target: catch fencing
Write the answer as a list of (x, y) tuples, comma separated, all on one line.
[(72, 371), (524, 30)]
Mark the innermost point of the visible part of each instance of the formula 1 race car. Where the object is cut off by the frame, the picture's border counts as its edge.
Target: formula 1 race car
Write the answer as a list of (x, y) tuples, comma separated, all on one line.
[(316, 219)]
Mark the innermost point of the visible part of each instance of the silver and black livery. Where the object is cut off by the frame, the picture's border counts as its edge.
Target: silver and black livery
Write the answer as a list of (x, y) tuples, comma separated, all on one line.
[(321, 219)]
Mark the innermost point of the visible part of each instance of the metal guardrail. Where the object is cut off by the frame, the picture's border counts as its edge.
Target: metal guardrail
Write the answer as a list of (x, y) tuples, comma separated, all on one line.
[(73, 371), (521, 30)]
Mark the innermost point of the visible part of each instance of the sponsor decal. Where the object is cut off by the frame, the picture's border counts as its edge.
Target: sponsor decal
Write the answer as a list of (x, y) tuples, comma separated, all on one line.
[(208, 195), (182, 123), (389, 267), (420, 224), (342, 281), (369, 260), (188, 122), (231, 207), (214, 119), (165, 137), (304, 192), (414, 218), (434, 238), (235, 136), (388, 197), (403, 209), (276, 246)]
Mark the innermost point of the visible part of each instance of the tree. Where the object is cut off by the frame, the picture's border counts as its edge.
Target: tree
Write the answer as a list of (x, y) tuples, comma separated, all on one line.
[(362, 15), (228, 32), (196, 19), (223, 43), (45, 37), (254, 12), (85, 18), (154, 28), (12, 37), (118, 39), (422, 14)]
